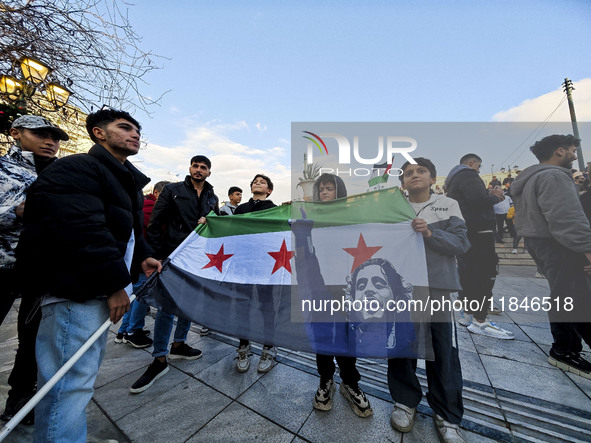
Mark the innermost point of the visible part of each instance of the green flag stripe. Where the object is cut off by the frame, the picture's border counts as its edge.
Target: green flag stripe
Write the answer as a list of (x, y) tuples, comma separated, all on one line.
[(382, 206)]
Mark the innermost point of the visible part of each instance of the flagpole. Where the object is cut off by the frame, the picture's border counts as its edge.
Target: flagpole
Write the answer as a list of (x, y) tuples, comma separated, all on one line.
[(8, 427)]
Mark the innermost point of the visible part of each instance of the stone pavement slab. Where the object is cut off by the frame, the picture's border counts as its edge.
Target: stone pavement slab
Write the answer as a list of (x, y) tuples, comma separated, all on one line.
[(223, 377), (546, 383), (282, 395), (239, 423), (516, 350), (175, 415)]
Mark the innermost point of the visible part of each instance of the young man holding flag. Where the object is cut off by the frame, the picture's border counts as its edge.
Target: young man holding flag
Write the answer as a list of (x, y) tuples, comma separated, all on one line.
[(85, 213)]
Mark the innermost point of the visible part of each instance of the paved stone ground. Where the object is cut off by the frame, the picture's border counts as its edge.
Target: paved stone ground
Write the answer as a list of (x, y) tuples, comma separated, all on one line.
[(511, 393)]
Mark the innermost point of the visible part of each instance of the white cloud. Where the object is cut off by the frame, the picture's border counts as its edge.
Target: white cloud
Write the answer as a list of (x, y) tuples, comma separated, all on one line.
[(539, 108), (233, 163), (261, 128)]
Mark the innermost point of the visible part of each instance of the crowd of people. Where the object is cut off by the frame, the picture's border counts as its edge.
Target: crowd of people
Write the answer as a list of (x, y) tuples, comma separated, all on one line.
[(88, 214)]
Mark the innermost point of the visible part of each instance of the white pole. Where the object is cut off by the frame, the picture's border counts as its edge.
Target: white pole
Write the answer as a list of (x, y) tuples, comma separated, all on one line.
[(8, 427)]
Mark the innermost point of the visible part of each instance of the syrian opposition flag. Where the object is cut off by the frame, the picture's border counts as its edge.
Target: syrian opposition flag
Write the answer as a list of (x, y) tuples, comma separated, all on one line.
[(377, 177), (328, 277)]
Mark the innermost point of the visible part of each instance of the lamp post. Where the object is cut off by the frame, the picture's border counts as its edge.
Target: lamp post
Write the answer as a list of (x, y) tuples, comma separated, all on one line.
[(33, 78)]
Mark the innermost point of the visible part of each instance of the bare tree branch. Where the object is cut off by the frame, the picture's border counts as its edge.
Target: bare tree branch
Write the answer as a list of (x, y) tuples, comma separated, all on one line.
[(90, 45)]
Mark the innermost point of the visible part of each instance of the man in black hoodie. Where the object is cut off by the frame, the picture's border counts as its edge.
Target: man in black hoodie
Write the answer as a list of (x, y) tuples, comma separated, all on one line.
[(478, 266)]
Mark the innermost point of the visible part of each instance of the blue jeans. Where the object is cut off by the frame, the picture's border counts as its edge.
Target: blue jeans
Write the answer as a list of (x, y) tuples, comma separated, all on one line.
[(162, 330), (64, 328), (135, 319)]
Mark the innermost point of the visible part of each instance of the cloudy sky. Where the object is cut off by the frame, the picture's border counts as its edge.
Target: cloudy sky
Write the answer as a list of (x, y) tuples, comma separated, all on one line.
[(240, 72)]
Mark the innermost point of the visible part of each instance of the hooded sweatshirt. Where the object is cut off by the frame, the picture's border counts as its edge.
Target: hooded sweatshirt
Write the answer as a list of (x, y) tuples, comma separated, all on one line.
[(464, 185), (325, 178), (448, 239), (547, 206)]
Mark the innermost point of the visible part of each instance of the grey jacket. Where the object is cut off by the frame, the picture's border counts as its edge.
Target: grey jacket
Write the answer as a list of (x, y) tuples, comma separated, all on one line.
[(17, 173), (449, 239), (547, 206)]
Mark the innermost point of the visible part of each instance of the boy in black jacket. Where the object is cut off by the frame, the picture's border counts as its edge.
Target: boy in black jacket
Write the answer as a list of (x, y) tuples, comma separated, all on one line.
[(261, 187)]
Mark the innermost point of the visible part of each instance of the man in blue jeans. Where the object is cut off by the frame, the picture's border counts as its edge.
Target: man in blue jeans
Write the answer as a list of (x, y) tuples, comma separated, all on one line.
[(132, 330), (180, 208), (85, 213), (557, 235)]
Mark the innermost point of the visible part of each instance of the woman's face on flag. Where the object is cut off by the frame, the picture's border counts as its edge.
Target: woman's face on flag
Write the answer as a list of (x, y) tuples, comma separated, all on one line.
[(373, 290)]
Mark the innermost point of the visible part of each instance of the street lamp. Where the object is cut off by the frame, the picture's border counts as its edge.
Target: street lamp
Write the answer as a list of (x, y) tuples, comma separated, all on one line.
[(33, 77)]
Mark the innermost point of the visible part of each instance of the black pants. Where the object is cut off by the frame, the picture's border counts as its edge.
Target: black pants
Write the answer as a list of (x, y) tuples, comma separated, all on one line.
[(478, 270), (444, 376), (564, 270), (8, 291), (268, 309), (326, 368), (23, 378)]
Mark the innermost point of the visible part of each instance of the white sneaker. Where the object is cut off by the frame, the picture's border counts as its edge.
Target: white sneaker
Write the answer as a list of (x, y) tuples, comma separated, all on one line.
[(465, 319), (402, 417), (448, 433), (490, 329), (266, 361), (514, 251), (243, 359)]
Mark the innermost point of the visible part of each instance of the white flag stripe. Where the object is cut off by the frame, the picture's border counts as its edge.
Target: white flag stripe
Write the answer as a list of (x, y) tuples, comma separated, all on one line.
[(400, 245), (251, 263)]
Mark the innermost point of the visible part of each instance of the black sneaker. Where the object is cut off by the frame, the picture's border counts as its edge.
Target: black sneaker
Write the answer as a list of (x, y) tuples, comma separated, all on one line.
[(119, 338), (323, 397), (570, 362), (357, 400), (185, 351), (15, 403), (156, 370), (138, 339)]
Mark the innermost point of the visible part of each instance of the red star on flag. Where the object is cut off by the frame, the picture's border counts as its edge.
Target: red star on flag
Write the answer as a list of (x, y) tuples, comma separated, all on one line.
[(362, 252), (282, 258), (217, 259)]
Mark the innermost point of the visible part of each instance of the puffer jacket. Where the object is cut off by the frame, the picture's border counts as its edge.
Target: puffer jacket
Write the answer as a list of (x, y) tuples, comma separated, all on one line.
[(79, 217), (176, 214)]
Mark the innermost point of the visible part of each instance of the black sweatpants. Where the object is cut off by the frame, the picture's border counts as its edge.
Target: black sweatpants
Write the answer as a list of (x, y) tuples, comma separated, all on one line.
[(478, 270), (444, 374), (326, 368), (563, 269)]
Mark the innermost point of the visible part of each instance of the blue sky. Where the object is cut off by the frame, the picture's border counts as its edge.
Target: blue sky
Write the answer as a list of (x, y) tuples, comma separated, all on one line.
[(241, 72)]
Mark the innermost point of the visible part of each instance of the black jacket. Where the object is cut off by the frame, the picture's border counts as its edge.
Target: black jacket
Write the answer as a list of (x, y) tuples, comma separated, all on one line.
[(176, 213), (254, 205), (464, 185), (79, 216)]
